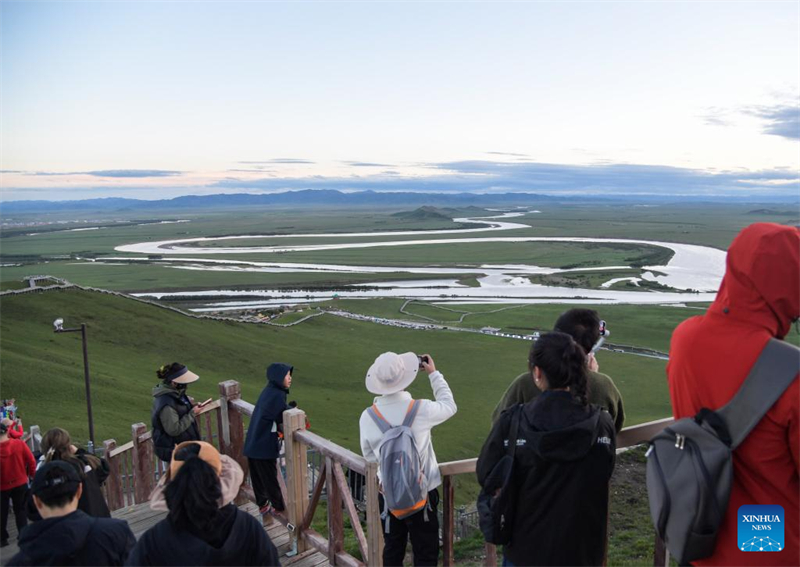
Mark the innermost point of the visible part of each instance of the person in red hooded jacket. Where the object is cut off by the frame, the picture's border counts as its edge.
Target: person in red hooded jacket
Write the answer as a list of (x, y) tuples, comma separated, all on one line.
[(710, 357)]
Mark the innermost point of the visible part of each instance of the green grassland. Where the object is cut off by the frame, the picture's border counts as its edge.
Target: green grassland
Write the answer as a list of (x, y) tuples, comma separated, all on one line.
[(128, 340)]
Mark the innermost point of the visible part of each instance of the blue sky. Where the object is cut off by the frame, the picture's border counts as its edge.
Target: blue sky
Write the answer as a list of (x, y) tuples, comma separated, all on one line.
[(155, 99)]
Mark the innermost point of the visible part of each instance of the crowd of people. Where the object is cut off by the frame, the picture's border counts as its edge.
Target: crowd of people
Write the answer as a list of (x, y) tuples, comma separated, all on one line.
[(561, 418)]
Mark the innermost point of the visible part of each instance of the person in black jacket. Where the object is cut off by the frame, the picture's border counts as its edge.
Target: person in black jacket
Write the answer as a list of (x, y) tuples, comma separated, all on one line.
[(57, 445), (262, 446), (173, 418), (66, 535), (203, 526), (565, 452)]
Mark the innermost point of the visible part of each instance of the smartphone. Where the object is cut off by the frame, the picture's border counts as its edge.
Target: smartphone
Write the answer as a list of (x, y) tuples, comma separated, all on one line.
[(604, 333), (205, 403), (422, 359)]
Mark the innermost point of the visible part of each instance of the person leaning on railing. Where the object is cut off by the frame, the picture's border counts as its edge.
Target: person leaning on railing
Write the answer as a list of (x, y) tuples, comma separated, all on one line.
[(173, 418), (565, 451)]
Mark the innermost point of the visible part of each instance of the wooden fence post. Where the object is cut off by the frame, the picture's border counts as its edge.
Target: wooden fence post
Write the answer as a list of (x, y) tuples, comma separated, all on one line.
[(374, 524), (36, 438), (296, 472), (143, 477), (335, 516), (113, 484), (448, 519), (233, 436)]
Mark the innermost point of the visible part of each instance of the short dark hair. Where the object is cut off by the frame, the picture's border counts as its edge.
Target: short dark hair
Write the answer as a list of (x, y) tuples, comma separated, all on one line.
[(583, 325)]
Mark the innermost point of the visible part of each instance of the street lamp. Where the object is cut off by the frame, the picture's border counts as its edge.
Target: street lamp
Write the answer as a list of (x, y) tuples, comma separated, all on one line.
[(58, 326)]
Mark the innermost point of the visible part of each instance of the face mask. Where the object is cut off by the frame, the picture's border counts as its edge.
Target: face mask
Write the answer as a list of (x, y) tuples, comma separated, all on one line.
[(180, 387)]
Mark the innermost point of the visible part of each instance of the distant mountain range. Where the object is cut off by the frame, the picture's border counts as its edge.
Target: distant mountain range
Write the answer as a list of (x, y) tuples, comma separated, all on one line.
[(322, 197)]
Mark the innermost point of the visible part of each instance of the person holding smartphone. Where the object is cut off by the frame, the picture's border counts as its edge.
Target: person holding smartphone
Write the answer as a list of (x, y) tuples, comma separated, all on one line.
[(173, 418)]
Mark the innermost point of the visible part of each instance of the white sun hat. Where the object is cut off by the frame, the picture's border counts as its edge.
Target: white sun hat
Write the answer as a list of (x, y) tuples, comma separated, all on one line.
[(392, 372)]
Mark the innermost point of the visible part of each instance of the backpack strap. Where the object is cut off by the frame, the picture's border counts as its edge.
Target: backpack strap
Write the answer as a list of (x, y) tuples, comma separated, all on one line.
[(378, 418), (411, 413), (776, 368)]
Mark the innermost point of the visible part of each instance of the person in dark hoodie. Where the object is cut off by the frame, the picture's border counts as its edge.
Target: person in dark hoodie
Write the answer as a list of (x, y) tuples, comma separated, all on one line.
[(173, 418), (203, 526), (66, 535), (262, 446), (565, 451)]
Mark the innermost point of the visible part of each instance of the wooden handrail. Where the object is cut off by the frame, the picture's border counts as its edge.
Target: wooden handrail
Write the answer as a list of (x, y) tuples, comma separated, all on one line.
[(330, 449), (243, 407), (121, 449)]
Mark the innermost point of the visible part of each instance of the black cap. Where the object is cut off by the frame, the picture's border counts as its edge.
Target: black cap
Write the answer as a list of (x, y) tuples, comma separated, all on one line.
[(54, 479)]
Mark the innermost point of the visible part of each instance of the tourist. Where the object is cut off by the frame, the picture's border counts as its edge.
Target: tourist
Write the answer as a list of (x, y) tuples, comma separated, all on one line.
[(583, 325), (262, 446), (17, 465), (57, 445), (388, 377), (66, 535), (203, 526), (565, 451), (173, 418), (11, 418), (710, 357)]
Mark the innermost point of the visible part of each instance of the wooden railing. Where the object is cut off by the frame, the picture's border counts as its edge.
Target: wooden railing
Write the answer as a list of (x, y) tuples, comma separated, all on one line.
[(135, 470), (628, 437)]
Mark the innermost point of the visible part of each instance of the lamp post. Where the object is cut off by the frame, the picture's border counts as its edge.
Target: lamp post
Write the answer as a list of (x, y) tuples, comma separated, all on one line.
[(58, 325)]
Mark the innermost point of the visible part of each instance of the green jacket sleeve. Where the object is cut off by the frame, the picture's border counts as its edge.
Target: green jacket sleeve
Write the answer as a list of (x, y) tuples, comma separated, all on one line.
[(172, 424)]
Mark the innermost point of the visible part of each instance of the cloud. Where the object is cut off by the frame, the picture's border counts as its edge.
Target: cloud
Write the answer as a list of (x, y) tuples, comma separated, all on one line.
[(780, 120), (499, 177), (115, 173), (715, 116), (278, 160), (365, 164), (11, 171), (508, 154)]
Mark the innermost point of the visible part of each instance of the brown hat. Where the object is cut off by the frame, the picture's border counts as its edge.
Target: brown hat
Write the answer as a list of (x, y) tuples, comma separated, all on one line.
[(207, 453)]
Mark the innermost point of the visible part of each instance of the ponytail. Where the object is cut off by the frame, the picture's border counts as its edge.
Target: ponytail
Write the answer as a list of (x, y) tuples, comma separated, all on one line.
[(193, 495), (563, 362)]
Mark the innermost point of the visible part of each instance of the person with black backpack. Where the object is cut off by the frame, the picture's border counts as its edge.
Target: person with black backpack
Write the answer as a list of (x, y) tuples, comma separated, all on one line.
[(173, 418), (396, 433), (562, 455)]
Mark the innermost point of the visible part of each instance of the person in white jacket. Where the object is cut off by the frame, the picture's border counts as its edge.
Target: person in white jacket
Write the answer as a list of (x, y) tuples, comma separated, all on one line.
[(388, 377)]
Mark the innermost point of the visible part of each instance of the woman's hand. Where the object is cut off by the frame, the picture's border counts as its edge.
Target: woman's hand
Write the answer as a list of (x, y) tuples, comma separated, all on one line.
[(197, 409), (591, 362)]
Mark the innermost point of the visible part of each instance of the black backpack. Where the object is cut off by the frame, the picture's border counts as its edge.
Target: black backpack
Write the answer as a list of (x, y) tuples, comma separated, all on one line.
[(496, 499), (689, 465)]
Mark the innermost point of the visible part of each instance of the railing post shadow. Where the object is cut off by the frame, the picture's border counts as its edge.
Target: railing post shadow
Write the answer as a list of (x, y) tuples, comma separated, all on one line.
[(374, 524), (113, 484), (232, 442), (296, 473), (143, 477)]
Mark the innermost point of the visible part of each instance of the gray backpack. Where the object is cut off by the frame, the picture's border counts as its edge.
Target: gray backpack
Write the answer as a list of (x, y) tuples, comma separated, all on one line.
[(404, 483), (689, 467)]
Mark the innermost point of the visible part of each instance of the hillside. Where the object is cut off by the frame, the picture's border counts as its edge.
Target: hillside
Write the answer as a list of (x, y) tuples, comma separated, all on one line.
[(423, 213), (128, 340)]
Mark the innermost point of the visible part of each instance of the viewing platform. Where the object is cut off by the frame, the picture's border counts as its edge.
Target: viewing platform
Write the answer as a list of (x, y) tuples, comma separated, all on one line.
[(315, 470)]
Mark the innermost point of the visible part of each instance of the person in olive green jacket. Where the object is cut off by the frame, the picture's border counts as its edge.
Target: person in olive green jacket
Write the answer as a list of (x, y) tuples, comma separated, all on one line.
[(584, 326)]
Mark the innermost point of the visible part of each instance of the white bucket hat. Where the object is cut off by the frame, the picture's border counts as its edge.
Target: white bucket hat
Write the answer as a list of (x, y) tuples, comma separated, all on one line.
[(392, 373)]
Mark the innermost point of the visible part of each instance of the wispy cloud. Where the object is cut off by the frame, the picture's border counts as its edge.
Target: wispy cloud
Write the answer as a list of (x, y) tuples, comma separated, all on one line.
[(278, 160), (508, 154), (779, 120), (715, 116), (365, 164), (112, 173)]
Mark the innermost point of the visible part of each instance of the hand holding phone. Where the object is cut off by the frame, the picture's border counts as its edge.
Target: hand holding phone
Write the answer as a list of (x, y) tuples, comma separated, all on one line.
[(205, 403)]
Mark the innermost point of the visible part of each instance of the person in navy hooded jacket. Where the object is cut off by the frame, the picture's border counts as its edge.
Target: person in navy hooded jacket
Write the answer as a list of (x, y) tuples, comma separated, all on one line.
[(262, 446)]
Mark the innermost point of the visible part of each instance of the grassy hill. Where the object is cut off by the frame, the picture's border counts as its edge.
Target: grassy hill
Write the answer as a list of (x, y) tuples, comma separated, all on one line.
[(128, 340)]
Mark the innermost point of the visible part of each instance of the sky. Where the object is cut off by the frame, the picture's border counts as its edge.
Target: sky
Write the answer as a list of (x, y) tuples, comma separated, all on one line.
[(159, 99)]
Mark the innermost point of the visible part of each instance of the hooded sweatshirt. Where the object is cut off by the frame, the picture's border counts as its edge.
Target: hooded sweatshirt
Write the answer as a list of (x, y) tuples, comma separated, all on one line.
[(74, 539), (710, 357), (563, 463), (262, 435), (16, 464)]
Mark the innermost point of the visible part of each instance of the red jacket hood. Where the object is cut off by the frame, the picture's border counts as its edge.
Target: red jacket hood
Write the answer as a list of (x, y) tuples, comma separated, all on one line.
[(762, 278)]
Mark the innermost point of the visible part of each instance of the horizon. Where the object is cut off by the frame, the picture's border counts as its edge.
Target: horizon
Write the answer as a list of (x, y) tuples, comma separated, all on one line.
[(159, 100)]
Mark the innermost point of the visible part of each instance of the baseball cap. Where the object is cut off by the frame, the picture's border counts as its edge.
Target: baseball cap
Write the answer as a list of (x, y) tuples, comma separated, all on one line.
[(54, 479)]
